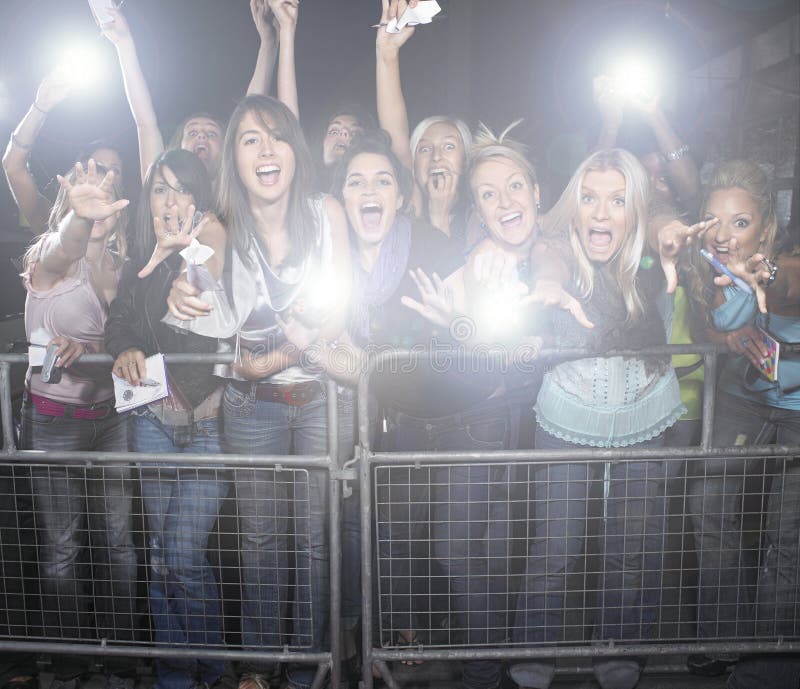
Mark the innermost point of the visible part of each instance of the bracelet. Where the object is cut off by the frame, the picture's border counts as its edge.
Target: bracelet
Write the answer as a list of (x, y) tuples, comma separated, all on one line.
[(677, 154), (36, 107), (19, 144)]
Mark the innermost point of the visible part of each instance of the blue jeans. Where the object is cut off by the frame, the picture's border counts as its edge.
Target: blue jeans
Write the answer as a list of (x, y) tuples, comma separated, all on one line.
[(283, 513), (182, 505), (467, 510), (74, 506), (715, 501), (630, 545)]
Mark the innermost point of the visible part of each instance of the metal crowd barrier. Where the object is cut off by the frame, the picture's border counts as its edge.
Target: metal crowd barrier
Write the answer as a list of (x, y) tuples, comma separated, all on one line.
[(416, 485), (375, 473), (22, 604)]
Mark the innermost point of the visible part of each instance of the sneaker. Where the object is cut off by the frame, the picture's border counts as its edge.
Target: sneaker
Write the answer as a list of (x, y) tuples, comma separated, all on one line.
[(534, 675), (617, 673)]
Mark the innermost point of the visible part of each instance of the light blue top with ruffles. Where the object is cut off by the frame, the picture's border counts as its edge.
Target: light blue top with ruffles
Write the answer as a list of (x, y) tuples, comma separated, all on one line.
[(739, 309), (608, 401)]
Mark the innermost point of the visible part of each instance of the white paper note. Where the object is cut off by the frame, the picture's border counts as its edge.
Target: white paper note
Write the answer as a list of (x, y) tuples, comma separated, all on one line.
[(423, 13)]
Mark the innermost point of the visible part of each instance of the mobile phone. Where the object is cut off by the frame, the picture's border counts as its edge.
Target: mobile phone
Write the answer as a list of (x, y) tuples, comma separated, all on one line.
[(50, 372), (720, 268), (99, 8)]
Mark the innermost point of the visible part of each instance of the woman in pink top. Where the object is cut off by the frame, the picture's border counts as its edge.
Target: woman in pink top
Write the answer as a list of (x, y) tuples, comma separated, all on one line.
[(71, 275)]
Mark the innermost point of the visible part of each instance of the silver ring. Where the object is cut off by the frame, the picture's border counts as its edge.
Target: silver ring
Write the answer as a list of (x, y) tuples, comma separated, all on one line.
[(743, 341), (131, 363)]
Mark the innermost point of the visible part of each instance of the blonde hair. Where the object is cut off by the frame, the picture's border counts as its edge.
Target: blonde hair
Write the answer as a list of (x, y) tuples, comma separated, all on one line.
[(562, 220), (486, 146), (428, 122), (117, 244)]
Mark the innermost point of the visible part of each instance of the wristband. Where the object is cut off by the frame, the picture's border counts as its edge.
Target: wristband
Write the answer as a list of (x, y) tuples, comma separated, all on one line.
[(677, 154)]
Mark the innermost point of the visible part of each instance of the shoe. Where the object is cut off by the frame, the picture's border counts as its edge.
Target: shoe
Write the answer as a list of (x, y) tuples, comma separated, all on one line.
[(618, 673), (709, 666), (534, 675)]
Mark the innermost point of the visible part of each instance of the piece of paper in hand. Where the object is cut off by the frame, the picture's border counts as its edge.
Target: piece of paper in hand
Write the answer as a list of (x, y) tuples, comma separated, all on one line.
[(154, 387), (196, 255), (423, 13)]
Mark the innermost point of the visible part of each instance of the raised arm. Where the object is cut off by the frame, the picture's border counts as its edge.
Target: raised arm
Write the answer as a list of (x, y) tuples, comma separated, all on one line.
[(285, 12), (610, 105), (91, 200), (151, 143), (261, 81), (682, 171), (32, 204), (392, 114)]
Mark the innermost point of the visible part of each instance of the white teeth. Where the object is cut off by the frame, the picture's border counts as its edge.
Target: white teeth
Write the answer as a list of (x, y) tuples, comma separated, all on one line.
[(367, 207), (266, 169), (439, 171), (721, 249), (509, 217)]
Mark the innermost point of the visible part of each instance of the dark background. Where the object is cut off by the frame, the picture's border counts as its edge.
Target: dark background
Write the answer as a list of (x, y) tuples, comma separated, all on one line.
[(489, 60)]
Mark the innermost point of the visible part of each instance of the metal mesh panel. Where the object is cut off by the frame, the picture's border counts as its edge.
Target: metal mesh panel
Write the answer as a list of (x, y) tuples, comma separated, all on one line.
[(100, 552), (521, 554)]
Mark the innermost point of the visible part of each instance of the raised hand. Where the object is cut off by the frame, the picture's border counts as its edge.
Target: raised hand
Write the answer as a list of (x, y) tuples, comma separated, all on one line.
[(609, 101), (393, 9), (55, 87), (117, 30), (173, 236), (437, 304), (263, 19), (551, 293), (285, 13), (89, 197), (672, 239)]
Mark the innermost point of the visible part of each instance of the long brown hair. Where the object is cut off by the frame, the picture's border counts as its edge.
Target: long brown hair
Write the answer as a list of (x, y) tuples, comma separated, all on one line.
[(233, 200)]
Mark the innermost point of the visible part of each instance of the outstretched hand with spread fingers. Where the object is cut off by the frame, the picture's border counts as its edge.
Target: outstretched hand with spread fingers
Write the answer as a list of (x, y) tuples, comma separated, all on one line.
[(437, 304), (551, 293), (173, 235), (89, 197), (672, 238)]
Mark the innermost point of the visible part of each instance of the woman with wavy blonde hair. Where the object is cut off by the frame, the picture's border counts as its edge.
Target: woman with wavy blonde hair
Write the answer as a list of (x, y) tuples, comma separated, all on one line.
[(604, 402)]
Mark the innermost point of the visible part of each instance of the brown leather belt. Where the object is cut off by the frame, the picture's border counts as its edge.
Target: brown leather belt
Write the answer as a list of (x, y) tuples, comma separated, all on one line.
[(294, 394)]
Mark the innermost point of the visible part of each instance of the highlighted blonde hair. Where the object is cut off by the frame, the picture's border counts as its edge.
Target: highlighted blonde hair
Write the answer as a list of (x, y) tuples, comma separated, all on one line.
[(486, 146), (562, 220)]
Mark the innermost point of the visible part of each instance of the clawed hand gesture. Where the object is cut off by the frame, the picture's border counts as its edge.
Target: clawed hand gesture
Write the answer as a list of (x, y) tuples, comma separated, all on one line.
[(672, 239), (754, 270), (173, 235), (90, 197)]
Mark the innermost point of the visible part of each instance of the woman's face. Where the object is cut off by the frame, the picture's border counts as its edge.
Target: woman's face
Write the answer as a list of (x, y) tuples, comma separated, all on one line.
[(169, 200), (601, 214), (506, 201), (264, 161), (338, 137), (203, 137), (371, 197), (440, 151), (739, 218)]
